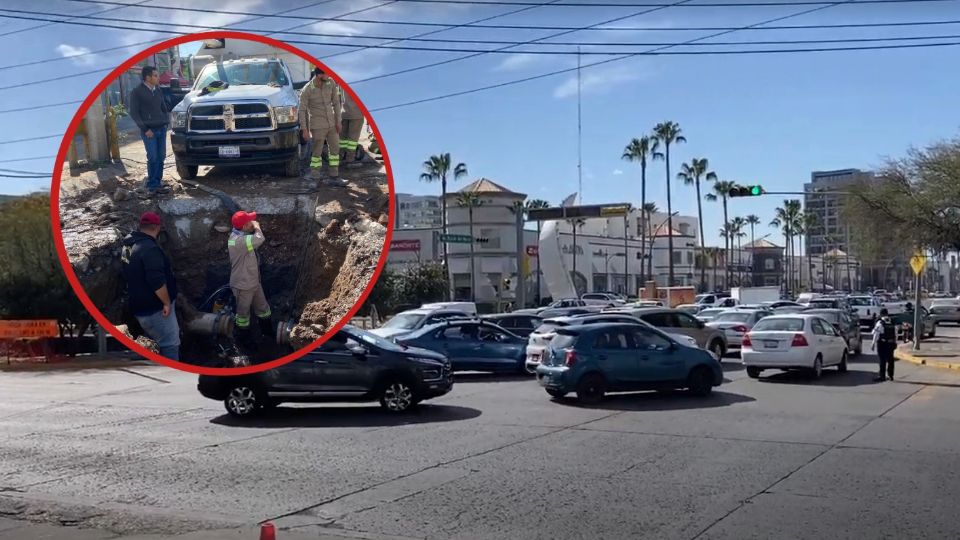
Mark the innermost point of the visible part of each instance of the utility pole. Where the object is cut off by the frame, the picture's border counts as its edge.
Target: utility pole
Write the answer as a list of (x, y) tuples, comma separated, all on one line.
[(579, 136), (521, 287), (626, 259)]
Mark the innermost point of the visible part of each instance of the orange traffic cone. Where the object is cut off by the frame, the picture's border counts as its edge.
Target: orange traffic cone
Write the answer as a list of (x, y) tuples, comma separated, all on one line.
[(268, 531)]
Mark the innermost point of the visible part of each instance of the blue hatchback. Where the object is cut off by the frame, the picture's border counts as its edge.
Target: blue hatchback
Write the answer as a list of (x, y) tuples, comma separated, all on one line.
[(594, 359), (472, 345)]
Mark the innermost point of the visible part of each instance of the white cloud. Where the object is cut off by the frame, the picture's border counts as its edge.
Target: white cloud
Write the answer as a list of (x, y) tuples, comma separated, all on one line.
[(517, 61), (597, 81), (340, 28), (617, 172), (68, 51)]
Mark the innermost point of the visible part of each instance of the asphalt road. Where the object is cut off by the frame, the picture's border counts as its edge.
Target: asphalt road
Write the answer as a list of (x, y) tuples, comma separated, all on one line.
[(139, 451)]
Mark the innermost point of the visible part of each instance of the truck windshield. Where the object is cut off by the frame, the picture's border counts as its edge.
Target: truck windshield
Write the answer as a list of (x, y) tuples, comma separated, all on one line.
[(243, 73), (860, 301)]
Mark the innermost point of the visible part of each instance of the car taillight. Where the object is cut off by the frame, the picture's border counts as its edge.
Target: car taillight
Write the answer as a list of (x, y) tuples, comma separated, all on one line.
[(746, 341), (742, 329), (570, 359), (799, 340)]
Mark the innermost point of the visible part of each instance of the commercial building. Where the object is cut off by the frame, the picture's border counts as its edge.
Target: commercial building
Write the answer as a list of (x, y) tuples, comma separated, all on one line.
[(821, 198), (604, 254), (418, 211)]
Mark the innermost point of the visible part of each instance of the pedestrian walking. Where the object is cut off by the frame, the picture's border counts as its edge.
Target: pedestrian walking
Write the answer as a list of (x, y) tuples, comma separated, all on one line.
[(320, 121), (151, 285), (242, 246), (885, 343), (149, 109), (351, 153)]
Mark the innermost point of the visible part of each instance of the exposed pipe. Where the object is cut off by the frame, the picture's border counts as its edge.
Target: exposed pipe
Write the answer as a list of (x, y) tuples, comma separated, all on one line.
[(212, 324)]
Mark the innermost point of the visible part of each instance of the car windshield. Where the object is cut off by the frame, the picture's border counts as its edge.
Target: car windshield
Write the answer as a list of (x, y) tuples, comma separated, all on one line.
[(823, 303), (710, 312), (779, 325), (859, 301), (243, 73), (372, 339), (404, 321), (949, 302), (733, 316), (546, 328)]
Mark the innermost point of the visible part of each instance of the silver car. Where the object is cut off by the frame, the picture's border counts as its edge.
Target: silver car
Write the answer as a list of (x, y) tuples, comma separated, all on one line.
[(735, 323), (709, 314), (945, 310)]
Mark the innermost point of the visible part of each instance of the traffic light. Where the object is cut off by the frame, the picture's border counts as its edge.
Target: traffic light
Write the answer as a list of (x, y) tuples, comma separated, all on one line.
[(745, 191)]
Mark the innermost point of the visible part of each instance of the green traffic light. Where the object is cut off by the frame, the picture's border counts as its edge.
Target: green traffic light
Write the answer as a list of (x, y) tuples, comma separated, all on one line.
[(756, 190)]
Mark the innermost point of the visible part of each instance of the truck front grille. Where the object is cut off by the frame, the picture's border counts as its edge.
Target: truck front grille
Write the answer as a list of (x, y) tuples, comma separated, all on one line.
[(230, 117)]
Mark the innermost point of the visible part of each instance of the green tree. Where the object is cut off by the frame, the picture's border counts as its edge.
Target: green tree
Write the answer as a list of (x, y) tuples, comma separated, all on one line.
[(421, 283), (786, 218), (721, 190), (691, 174), (669, 133), (437, 169), (471, 200), (642, 150)]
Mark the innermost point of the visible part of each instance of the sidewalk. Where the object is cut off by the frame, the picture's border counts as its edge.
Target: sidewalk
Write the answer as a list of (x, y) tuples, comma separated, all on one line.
[(11, 529), (119, 359), (940, 352)]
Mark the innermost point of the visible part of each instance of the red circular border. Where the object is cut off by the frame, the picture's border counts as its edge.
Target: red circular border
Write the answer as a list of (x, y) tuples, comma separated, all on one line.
[(58, 234)]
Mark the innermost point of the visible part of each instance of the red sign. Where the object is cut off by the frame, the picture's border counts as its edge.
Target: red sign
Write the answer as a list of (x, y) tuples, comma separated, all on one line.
[(533, 250), (29, 329), (405, 245)]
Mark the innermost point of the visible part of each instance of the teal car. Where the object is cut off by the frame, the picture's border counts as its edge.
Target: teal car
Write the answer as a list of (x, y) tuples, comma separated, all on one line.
[(472, 345), (594, 359)]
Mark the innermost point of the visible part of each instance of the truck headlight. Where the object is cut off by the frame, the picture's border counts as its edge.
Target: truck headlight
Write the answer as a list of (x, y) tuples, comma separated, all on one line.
[(286, 114), (178, 119)]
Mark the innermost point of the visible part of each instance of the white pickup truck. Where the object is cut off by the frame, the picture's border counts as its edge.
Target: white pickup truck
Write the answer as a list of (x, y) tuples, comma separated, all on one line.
[(868, 308), (713, 300)]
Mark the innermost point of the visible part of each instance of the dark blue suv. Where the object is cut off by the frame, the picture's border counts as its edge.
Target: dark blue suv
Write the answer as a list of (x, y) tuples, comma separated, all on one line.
[(594, 359)]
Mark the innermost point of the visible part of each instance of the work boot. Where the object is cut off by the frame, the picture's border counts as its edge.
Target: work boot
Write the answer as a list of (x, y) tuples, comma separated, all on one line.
[(245, 337)]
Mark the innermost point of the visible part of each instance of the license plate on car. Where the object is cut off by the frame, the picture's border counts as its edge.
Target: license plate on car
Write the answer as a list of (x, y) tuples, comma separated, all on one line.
[(770, 344), (229, 151)]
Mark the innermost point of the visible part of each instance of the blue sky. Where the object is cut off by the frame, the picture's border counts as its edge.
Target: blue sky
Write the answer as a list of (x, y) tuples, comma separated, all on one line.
[(769, 119)]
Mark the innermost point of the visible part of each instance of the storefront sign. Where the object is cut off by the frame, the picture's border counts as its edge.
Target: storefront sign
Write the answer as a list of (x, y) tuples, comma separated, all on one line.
[(405, 245)]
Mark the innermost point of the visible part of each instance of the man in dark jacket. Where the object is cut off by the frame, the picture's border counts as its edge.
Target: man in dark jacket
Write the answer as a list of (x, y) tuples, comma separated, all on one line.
[(151, 285), (148, 108), (885, 343)]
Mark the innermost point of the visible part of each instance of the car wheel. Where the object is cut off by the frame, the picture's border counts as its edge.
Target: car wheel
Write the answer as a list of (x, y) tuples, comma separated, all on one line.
[(556, 393), (397, 396), (716, 347), (842, 367), (700, 381), (242, 401), (753, 372), (591, 388), (933, 331), (817, 370), (187, 172)]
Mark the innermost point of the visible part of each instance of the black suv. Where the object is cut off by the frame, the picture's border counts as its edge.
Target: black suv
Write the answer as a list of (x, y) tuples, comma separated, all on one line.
[(353, 365)]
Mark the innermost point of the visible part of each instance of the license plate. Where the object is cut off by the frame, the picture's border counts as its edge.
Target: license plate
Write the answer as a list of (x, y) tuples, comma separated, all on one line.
[(229, 151), (770, 344)]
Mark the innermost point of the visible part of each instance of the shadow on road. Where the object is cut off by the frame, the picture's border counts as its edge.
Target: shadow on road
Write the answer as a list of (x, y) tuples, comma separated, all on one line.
[(671, 400), (830, 378), (473, 376), (732, 366), (359, 416)]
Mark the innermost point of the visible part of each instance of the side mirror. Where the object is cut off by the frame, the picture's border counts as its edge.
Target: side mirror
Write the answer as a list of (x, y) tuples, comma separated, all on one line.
[(358, 350)]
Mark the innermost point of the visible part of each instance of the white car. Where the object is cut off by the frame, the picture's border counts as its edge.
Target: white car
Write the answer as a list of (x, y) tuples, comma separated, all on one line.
[(709, 314), (692, 309), (735, 323), (602, 299), (796, 341)]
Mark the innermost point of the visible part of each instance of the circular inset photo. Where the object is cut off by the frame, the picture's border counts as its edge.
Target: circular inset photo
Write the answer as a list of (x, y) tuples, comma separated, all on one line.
[(222, 203)]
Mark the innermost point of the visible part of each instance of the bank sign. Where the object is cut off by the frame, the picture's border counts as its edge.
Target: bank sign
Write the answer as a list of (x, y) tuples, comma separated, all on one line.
[(405, 245)]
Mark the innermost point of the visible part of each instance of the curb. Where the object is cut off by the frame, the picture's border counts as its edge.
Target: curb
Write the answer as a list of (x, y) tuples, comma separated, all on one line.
[(77, 365), (900, 354)]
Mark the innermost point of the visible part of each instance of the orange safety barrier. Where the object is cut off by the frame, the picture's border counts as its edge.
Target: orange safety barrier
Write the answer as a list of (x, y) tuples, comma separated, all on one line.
[(43, 328)]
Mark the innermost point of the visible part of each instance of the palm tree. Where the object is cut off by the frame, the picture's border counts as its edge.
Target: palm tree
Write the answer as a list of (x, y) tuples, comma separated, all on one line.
[(436, 169), (667, 133), (752, 220), (642, 150), (786, 219), (648, 209), (726, 233), (536, 204), (721, 190), (739, 223), (691, 174), (470, 200), (810, 222)]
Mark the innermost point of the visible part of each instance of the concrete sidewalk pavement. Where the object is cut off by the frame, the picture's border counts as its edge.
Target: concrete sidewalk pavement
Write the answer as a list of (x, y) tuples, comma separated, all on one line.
[(11, 529), (942, 352)]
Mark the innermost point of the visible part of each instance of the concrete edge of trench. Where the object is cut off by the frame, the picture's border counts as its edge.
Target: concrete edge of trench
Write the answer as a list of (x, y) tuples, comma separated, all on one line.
[(75, 364), (904, 353)]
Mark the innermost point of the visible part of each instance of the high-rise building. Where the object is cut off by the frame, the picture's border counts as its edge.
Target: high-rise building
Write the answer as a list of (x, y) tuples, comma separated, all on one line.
[(418, 211), (821, 197)]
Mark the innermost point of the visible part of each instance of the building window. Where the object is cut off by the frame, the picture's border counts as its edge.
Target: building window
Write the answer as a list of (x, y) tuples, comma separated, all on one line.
[(689, 257), (768, 264), (677, 257)]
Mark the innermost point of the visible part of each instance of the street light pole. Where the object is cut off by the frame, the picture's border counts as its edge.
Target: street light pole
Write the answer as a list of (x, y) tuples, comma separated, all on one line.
[(652, 238)]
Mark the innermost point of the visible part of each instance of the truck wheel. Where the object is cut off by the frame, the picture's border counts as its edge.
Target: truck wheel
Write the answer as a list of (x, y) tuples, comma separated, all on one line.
[(187, 172), (291, 168)]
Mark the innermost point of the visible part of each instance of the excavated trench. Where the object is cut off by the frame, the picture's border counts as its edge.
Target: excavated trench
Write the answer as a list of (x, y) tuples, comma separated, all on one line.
[(322, 247)]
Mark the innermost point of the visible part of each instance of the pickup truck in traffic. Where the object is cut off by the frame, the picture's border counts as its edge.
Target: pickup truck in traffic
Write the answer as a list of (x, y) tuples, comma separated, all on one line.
[(867, 308), (238, 113), (709, 300)]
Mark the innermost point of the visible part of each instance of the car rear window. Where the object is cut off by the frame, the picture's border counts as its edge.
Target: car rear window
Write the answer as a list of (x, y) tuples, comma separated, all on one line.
[(732, 316), (546, 328), (563, 341), (779, 325)]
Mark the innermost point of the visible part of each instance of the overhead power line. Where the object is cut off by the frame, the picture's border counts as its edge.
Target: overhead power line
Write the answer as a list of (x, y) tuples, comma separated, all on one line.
[(44, 106), (35, 158), (38, 26), (528, 3), (32, 138)]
